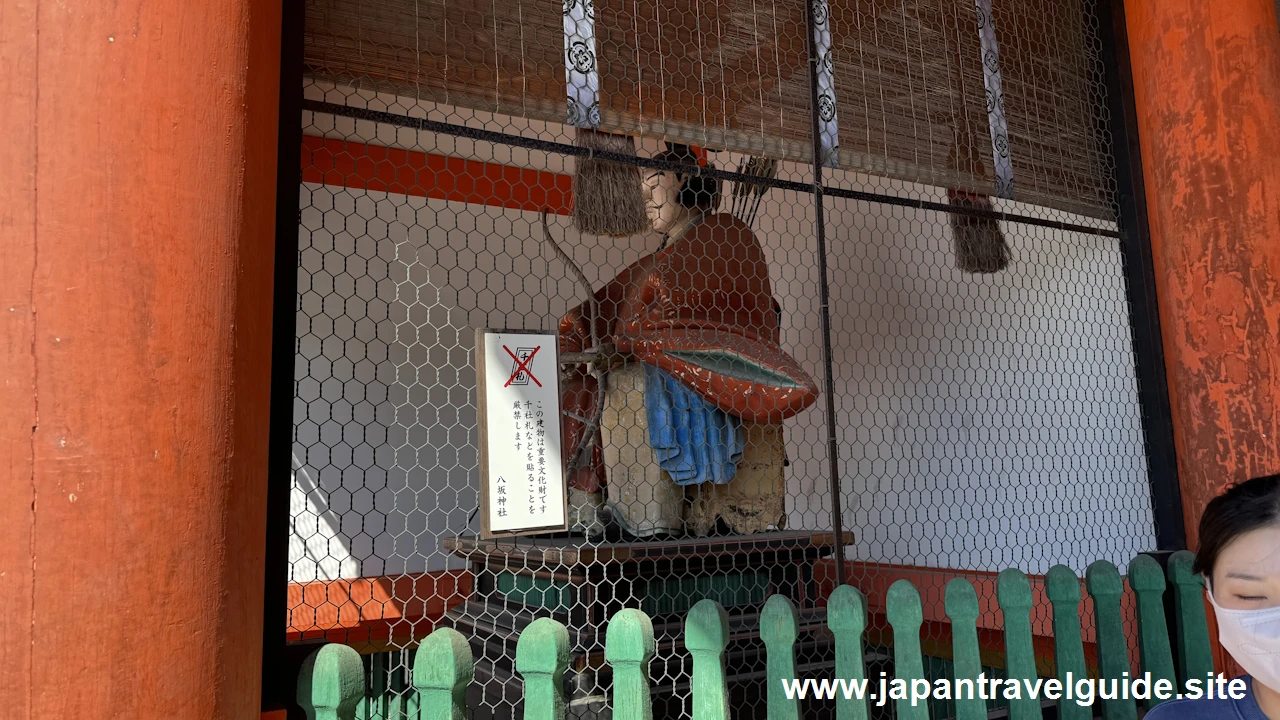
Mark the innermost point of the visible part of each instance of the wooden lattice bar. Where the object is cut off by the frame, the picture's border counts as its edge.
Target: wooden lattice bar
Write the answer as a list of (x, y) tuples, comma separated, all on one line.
[(1105, 587), (1068, 645), (1146, 577)]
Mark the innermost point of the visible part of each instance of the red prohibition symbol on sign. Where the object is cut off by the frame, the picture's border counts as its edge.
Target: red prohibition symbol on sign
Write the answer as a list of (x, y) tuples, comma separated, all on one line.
[(522, 366)]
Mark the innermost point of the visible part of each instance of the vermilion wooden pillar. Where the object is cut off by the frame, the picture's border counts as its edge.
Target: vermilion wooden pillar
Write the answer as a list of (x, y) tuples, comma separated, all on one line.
[(1207, 90), (136, 242)]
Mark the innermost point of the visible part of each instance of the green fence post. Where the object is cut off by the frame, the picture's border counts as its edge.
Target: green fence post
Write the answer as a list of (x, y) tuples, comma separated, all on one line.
[(1068, 643), (906, 616), (629, 646), (542, 655), (442, 671), (847, 619), (779, 630), (706, 633), (1105, 587), (1146, 577), (331, 683), (1195, 655), (962, 610), (1013, 592)]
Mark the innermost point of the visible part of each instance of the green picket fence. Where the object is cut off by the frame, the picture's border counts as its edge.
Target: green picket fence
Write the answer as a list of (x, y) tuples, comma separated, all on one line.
[(332, 683)]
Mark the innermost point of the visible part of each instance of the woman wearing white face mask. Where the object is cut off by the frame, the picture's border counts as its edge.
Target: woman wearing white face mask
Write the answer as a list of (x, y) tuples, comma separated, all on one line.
[(1240, 557)]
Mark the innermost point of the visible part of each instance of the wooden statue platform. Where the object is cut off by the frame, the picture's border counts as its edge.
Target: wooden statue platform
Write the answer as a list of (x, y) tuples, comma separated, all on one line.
[(582, 585)]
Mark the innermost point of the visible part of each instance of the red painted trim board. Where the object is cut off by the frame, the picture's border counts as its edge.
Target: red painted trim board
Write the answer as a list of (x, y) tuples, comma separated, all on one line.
[(374, 608), (356, 165), (369, 612)]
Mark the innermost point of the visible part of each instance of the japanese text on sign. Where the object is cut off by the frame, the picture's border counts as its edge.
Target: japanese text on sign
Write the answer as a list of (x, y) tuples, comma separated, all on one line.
[(525, 487)]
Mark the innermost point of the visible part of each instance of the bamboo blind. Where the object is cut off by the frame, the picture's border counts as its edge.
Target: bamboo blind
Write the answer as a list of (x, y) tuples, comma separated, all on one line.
[(732, 75)]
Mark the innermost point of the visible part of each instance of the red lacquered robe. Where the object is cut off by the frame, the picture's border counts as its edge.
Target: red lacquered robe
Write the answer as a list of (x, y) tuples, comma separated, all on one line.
[(702, 310)]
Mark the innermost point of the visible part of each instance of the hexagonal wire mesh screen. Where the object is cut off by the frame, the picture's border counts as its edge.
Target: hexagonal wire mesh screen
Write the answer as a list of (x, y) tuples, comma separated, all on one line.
[(986, 410)]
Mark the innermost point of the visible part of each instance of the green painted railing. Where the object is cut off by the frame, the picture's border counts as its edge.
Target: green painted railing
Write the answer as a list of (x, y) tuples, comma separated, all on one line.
[(332, 685)]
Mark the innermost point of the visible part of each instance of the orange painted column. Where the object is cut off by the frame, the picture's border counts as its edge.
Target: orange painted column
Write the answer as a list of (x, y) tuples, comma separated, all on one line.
[(1207, 89), (137, 223)]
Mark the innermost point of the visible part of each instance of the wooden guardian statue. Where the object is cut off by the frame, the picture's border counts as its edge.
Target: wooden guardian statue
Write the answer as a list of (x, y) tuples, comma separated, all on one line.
[(689, 431)]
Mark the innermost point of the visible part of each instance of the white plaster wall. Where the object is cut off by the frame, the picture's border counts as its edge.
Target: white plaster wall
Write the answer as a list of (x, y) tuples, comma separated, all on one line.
[(391, 289), (990, 421)]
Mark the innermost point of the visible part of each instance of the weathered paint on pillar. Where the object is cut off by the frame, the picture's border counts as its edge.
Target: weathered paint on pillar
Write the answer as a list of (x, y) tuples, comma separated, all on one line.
[(17, 362), (1207, 89), (136, 216)]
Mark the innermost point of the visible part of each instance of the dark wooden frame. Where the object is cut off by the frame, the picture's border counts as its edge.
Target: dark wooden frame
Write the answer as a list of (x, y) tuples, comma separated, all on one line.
[(280, 665), (1139, 271)]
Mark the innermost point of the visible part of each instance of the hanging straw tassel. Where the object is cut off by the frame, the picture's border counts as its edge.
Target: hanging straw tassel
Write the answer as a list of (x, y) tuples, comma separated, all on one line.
[(980, 244), (606, 195)]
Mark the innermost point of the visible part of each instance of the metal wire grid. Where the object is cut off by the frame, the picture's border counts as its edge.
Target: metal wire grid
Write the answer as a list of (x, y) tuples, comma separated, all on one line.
[(983, 421)]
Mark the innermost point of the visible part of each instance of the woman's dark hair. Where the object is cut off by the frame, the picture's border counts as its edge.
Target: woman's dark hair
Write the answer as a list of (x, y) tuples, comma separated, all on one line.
[(696, 193), (1242, 508)]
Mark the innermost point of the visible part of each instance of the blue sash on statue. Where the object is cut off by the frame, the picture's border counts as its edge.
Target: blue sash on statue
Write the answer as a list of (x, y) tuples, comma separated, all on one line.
[(694, 441)]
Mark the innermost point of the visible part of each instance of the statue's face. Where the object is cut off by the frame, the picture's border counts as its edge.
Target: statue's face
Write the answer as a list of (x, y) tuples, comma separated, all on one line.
[(660, 199)]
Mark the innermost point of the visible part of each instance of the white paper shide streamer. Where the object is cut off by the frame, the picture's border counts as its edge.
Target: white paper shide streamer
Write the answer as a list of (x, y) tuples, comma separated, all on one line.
[(827, 126), (995, 101), (581, 75)]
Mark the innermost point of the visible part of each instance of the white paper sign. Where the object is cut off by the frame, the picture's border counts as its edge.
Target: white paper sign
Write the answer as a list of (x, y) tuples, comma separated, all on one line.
[(523, 488)]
